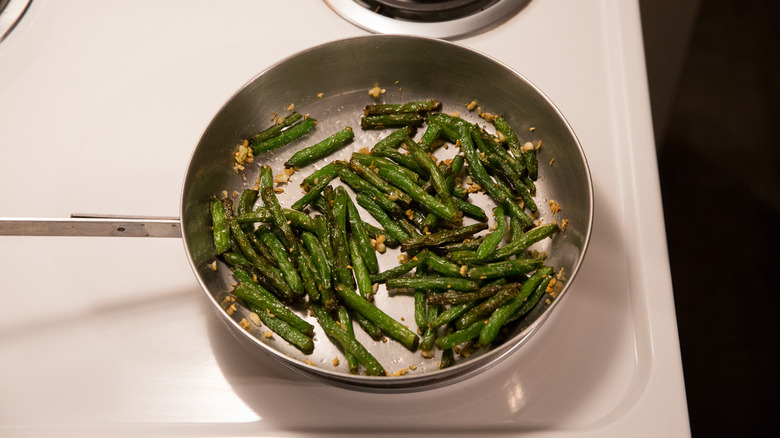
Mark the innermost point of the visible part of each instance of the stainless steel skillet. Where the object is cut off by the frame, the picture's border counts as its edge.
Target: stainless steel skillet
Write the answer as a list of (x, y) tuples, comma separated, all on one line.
[(330, 82)]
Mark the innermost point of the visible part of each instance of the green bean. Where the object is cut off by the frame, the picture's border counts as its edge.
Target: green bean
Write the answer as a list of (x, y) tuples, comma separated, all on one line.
[(437, 179), (319, 257), (241, 274), (429, 222), (460, 336), (272, 274), (407, 226), (452, 313), (436, 283), (322, 149), (259, 214), (489, 245), (485, 308), (362, 239), (359, 269), (395, 138), (383, 121), (345, 320), (314, 192), (512, 142), (359, 185), (369, 327), (447, 358), (478, 172), (397, 271), (308, 275), (511, 206), (375, 232), (221, 229), (464, 257), (501, 168), (347, 341), (449, 131), (420, 306), (503, 269), (380, 162), (323, 235), (444, 211), (515, 229), (324, 238), (246, 201), (402, 160), (284, 330), (327, 171), (532, 299), (255, 294), (286, 136), (408, 107), (490, 145), (417, 219), (275, 129), (429, 333), (442, 237), (470, 209), (528, 156), (338, 229), (447, 119), (272, 203), (390, 226), (469, 245), (389, 326), (237, 261), (500, 316), (429, 137), (265, 178), (280, 254), (377, 181), (441, 265), (520, 243), (454, 297)]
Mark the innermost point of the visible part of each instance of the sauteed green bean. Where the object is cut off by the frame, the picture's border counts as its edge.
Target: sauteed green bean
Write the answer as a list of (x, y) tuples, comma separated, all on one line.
[(317, 258)]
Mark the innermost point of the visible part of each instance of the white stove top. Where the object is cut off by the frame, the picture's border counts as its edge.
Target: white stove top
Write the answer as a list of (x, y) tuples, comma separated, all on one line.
[(101, 104)]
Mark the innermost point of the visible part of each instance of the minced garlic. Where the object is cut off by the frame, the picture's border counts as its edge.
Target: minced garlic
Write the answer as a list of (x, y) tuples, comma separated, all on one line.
[(376, 91), (283, 177), (488, 116)]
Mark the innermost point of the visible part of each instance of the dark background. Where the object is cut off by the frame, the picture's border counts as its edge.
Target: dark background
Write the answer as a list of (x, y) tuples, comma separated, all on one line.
[(719, 162)]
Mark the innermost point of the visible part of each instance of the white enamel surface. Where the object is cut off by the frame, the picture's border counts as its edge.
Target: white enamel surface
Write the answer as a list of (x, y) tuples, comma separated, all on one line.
[(101, 103)]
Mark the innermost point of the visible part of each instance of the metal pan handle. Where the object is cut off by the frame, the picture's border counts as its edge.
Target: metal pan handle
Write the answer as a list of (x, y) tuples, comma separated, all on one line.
[(93, 226)]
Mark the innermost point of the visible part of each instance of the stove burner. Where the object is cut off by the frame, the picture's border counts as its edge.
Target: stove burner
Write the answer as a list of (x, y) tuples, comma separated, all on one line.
[(447, 19), (426, 11)]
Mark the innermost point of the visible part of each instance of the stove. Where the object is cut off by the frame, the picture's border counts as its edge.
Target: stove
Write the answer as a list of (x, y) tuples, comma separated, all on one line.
[(101, 104), (449, 19)]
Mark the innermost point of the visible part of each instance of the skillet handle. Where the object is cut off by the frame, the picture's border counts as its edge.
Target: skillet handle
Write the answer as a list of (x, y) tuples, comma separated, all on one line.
[(93, 226)]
